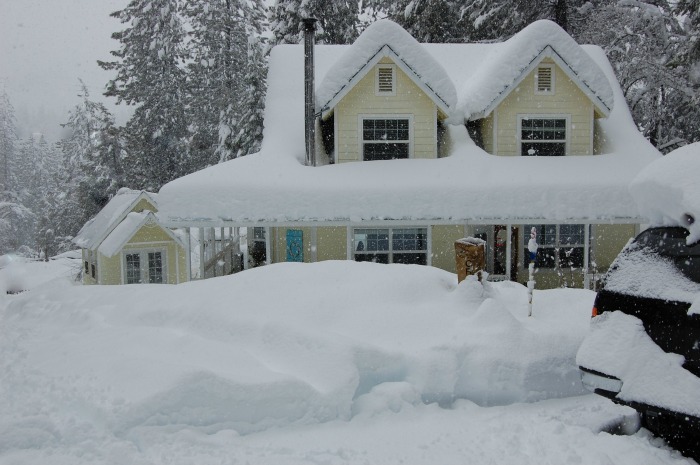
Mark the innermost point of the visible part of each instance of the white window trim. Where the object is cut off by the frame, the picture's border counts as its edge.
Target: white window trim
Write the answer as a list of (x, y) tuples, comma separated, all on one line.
[(525, 237), (379, 93), (519, 132), (390, 252), (144, 262), (360, 135), (552, 69)]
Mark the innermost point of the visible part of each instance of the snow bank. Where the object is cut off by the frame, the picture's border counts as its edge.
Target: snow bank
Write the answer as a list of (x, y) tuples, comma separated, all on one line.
[(380, 34), (649, 374), (668, 192), (335, 362), (290, 343)]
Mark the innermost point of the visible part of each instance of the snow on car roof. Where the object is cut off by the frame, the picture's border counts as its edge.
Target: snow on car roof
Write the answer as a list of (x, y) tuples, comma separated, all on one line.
[(274, 186), (668, 191)]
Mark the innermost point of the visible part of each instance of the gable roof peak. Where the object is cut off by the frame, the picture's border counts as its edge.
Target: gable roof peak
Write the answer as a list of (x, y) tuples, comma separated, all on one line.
[(385, 38), (515, 57)]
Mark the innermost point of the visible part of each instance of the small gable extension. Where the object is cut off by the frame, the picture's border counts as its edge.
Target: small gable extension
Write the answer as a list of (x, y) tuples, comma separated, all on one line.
[(529, 51), (385, 39)]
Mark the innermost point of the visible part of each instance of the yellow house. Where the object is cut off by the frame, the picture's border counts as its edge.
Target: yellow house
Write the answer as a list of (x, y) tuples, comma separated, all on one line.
[(125, 244), (419, 145)]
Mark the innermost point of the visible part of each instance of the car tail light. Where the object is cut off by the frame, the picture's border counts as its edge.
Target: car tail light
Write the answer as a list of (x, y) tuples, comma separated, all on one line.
[(594, 312)]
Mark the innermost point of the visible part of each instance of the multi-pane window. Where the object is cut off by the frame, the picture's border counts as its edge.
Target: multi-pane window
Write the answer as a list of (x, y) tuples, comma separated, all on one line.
[(133, 268), (543, 136), (144, 267), (155, 267), (385, 139), (398, 245), (559, 244)]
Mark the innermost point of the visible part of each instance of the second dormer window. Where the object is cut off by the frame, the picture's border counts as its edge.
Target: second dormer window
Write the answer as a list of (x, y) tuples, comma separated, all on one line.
[(386, 80), (544, 79), (385, 139)]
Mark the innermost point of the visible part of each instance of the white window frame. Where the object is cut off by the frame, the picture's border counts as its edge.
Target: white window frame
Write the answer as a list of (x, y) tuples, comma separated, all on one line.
[(378, 92), (143, 263), (529, 116), (360, 132), (552, 71), (390, 252), (557, 246)]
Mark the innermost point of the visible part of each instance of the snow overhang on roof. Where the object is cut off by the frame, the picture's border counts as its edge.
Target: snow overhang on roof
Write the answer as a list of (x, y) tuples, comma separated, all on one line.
[(125, 230), (667, 191), (514, 59), (386, 39), (98, 228)]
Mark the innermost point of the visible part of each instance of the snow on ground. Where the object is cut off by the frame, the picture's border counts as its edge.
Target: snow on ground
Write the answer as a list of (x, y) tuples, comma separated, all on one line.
[(332, 362)]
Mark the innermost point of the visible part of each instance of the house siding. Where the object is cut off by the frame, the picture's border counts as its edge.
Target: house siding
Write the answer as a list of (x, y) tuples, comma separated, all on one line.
[(331, 243), (567, 100), (409, 100), (443, 249)]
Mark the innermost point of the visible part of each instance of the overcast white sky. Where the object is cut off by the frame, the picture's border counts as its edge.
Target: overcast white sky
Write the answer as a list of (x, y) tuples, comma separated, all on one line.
[(45, 46)]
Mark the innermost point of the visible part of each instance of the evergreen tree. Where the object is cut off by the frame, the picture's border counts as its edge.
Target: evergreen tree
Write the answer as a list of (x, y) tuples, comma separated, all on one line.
[(92, 167), (641, 40), (338, 20), (150, 74), (13, 213), (248, 137), (221, 32), (430, 21), (500, 19)]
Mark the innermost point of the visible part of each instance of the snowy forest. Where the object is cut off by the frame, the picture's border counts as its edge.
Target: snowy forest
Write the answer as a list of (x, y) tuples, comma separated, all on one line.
[(194, 73)]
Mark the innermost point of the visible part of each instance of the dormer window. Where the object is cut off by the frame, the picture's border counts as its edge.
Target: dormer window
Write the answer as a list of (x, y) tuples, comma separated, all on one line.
[(544, 79), (386, 80)]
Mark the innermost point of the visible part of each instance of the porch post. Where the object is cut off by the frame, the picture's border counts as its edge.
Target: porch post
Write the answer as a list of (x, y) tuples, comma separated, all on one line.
[(268, 246), (188, 251), (586, 255), (509, 249), (202, 259)]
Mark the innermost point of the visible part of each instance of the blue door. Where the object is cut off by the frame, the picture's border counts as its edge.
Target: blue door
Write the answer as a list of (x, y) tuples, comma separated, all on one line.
[(295, 245)]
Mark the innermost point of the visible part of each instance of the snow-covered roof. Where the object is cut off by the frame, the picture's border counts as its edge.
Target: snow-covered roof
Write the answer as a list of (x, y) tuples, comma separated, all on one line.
[(470, 185), (509, 62), (124, 231), (385, 38), (668, 190), (98, 228)]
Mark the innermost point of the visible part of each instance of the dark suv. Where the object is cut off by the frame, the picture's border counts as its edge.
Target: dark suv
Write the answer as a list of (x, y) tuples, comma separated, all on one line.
[(655, 279)]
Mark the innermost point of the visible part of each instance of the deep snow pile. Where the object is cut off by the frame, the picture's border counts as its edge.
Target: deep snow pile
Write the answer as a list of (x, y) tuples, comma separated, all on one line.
[(667, 191), (334, 362)]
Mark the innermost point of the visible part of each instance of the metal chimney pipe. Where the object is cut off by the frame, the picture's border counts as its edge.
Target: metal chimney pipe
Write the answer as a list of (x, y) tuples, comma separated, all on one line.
[(309, 96)]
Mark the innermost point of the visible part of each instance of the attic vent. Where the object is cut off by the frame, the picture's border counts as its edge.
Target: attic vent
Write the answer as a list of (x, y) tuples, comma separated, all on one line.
[(545, 79), (385, 80)]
